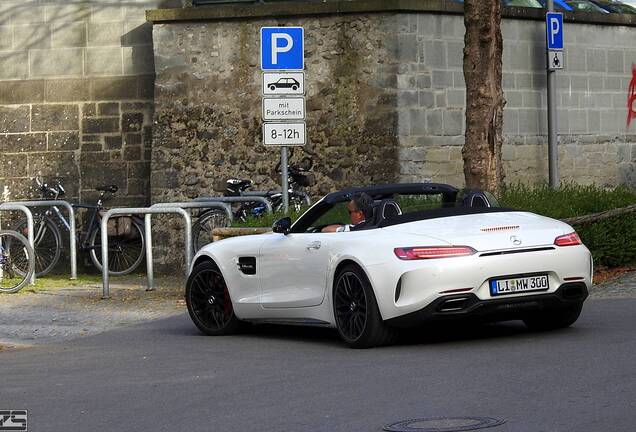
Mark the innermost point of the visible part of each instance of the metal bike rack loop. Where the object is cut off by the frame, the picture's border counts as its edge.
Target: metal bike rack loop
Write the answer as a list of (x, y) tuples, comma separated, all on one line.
[(148, 239), (238, 199), (24, 209), (71, 222), (187, 206)]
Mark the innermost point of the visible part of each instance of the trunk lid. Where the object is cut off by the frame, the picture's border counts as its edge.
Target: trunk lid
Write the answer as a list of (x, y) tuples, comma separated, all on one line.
[(488, 231)]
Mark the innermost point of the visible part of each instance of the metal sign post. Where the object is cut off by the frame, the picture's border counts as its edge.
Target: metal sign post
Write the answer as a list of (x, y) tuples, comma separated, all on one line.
[(282, 63), (554, 42)]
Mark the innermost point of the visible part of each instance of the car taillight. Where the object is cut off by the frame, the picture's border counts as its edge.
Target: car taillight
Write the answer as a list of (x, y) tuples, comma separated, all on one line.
[(571, 239), (431, 252)]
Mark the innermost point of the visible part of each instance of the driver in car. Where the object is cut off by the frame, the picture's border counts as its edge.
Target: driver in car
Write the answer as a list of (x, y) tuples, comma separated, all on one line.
[(360, 211)]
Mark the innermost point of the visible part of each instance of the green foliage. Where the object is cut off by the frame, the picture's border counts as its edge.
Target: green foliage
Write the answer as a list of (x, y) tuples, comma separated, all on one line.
[(567, 201), (611, 241)]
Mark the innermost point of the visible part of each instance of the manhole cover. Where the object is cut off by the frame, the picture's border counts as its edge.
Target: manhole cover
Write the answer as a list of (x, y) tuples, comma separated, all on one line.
[(443, 424)]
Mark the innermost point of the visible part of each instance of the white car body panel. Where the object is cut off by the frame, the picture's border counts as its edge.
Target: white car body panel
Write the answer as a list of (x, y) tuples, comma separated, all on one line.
[(294, 283)]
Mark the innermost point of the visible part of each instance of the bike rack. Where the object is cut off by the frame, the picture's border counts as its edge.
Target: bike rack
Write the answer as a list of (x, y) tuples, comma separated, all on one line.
[(24, 209), (238, 199), (71, 223), (144, 211), (187, 206)]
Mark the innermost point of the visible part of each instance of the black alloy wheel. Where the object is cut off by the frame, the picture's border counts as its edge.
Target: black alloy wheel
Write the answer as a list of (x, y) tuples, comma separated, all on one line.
[(351, 305), (356, 311), (208, 300)]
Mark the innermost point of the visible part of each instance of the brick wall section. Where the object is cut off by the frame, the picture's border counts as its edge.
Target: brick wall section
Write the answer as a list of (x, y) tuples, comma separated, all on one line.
[(594, 144), (76, 95)]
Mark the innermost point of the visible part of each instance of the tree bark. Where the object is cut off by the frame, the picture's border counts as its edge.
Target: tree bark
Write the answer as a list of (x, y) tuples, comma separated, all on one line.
[(483, 47)]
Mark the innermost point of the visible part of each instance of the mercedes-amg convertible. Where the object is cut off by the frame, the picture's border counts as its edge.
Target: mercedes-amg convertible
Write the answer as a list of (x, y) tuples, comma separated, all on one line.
[(426, 252)]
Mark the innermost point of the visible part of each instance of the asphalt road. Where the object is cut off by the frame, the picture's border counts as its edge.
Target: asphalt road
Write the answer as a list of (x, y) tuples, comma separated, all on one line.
[(164, 376)]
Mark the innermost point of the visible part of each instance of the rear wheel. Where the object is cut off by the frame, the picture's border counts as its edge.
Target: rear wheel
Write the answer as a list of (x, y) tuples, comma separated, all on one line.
[(125, 251), (48, 244), (553, 319), (208, 300), (205, 224), (356, 311)]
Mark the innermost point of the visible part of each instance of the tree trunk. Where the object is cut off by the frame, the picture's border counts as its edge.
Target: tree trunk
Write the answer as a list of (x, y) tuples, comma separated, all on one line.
[(483, 47)]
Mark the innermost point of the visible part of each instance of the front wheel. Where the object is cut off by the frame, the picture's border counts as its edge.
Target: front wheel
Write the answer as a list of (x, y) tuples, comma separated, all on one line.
[(15, 253), (356, 311), (208, 300), (553, 319), (126, 249)]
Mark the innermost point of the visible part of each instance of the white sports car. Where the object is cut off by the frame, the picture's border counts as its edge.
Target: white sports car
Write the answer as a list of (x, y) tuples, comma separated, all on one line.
[(425, 253)]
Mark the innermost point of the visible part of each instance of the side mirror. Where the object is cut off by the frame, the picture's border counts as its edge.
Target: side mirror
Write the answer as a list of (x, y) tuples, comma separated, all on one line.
[(282, 226)]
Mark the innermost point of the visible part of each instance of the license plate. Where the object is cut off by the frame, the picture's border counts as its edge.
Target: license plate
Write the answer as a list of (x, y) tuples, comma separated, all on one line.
[(518, 284)]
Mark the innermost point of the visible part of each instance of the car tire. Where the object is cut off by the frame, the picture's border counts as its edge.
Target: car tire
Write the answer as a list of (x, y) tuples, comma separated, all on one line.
[(553, 319), (208, 301), (294, 87), (272, 87), (356, 312)]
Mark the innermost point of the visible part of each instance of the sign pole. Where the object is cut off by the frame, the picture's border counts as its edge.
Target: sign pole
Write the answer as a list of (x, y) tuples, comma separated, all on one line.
[(285, 180), (553, 152), (283, 102)]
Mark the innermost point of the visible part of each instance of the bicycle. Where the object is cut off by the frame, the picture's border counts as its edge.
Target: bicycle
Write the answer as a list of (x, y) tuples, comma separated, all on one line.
[(15, 253), (126, 244), (208, 220)]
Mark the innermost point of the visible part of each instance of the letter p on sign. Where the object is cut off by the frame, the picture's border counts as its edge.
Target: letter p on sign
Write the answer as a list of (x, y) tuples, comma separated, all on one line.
[(554, 28), (282, 48)]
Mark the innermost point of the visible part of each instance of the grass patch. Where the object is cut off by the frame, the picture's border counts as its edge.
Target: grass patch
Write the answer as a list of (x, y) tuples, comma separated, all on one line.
[(50, 282)]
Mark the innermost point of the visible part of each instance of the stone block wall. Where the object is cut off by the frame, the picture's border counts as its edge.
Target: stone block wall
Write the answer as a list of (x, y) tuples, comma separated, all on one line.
[(595, 145), (76, 96), (208, 104)]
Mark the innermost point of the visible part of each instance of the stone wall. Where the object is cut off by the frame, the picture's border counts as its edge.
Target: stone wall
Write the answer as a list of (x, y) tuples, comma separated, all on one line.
[(208, 104), (76, 96), (595, 146)]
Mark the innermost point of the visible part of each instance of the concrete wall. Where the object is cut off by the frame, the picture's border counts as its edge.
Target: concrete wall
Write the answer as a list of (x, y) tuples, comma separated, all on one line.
[(76, 95), (595, 145)]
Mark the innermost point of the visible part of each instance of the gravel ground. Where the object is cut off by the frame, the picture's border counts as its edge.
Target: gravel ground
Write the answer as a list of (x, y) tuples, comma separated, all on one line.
[(54, 315)]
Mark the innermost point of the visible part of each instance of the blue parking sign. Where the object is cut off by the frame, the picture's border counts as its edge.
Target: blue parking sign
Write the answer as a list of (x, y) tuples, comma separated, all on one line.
[(554, 30), (282, 48)]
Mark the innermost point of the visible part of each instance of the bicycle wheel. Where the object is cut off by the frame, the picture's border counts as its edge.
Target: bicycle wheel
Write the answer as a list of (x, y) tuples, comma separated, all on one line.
[(15, 252), (125, 251), (47, 241), (202, 228)]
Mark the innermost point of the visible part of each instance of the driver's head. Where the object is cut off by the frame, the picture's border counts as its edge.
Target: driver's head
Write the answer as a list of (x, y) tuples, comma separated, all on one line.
[(360, 207)]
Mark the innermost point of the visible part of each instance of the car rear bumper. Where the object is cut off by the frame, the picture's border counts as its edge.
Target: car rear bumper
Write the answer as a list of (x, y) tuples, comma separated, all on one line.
[(469, 306)]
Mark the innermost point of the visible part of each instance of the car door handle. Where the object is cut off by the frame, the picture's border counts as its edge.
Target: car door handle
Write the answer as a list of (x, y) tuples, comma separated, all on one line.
[(313, 245)]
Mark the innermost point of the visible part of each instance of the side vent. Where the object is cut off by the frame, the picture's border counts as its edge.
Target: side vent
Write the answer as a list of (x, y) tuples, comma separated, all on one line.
[(247, 265), (398, 290)]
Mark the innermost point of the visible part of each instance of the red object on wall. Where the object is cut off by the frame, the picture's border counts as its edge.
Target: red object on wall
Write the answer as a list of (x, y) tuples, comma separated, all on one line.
[(631, 98)]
